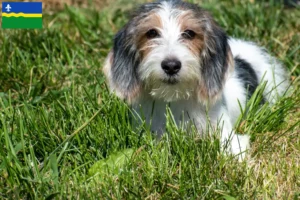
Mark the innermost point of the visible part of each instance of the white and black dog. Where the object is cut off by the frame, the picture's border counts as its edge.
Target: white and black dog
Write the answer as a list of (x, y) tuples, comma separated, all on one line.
[(172, 53)]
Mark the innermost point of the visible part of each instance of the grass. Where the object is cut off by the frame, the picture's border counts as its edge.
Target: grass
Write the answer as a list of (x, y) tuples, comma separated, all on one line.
[(57, 118)]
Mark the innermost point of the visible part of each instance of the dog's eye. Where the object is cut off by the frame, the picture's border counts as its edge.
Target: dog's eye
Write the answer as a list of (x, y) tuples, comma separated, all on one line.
[(188, 34), (152, 33)]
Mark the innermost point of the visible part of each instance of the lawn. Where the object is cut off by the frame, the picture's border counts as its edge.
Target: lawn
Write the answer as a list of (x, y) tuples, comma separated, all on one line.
[(57, 118)]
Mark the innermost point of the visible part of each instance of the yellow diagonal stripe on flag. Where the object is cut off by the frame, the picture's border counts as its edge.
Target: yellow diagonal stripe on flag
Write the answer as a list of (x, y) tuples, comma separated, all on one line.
[(20, 15)]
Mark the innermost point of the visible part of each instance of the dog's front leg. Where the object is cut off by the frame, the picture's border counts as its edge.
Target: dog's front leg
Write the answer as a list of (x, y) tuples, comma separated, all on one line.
[(231, 142)]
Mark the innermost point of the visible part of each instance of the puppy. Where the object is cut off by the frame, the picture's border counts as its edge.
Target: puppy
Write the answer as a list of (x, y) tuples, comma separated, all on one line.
[(173, 54)]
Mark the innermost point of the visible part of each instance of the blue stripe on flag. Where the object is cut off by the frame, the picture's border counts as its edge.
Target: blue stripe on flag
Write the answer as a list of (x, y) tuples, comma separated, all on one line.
[(24, 7)]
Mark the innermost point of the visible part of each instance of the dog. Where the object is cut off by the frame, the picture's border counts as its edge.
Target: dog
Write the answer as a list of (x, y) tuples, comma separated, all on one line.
[(173, 54)]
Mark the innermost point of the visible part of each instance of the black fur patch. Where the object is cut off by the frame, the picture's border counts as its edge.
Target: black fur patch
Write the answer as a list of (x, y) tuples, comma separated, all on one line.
[(125, 63), (247, 74), (215, 63)]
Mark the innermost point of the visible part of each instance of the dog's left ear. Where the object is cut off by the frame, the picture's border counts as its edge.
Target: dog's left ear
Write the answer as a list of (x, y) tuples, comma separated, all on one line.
[(121, 65), (216, 64)]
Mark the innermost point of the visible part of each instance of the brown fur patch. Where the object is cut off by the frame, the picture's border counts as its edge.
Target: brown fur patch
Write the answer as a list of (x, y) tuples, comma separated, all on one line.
[(205, 98), (229, 62), (133, 95), (187, 21), (153, 21)]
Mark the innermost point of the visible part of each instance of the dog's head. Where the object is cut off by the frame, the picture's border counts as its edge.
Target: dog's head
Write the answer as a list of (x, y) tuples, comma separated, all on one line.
[(171, 50)]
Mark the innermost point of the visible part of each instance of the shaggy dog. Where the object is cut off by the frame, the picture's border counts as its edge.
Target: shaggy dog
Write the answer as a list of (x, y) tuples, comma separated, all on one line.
[(173, 54)]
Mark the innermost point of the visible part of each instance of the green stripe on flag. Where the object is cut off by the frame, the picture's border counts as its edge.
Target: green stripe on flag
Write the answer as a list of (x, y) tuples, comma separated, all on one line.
[(22, 22)]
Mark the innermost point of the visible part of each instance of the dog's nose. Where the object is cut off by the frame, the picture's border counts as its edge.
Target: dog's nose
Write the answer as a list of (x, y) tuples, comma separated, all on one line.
[(171, 66)]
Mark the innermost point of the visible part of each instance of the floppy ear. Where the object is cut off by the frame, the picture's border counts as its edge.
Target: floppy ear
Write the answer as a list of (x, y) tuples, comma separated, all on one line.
[(216, 64), (121, 67)]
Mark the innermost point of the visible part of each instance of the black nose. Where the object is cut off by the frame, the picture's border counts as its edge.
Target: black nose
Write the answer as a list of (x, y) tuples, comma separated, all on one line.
[(171, 66)]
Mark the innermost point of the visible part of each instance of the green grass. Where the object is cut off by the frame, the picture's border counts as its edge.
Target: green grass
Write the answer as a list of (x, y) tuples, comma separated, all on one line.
[(57, 118)]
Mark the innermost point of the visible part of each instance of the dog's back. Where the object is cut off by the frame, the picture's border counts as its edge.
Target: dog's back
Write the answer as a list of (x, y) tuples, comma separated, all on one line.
[(266, 67)]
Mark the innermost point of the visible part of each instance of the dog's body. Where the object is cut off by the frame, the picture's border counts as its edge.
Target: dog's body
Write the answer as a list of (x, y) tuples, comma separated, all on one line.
[(173, 54)]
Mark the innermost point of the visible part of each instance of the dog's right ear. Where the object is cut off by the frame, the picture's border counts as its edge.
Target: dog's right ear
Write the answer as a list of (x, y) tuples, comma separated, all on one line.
[(121, 66)]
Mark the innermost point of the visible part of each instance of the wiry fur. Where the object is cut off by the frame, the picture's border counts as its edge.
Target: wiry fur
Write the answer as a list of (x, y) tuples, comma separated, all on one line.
[(216, 72)]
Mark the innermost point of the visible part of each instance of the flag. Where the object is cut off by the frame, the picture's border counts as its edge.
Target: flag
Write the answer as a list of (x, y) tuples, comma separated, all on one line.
[(23, 15)]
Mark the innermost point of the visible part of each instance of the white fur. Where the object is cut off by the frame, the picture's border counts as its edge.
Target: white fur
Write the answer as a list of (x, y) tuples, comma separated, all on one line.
[(190, 111)]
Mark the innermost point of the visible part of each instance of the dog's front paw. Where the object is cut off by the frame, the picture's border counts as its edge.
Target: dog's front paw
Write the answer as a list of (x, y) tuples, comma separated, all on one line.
[(239, 146)]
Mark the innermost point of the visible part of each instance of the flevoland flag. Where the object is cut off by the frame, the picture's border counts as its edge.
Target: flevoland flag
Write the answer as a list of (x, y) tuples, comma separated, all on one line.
[(24, 15)]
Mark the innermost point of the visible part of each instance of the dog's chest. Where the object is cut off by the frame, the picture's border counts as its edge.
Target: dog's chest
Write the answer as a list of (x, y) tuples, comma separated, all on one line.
[(184, 113)]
